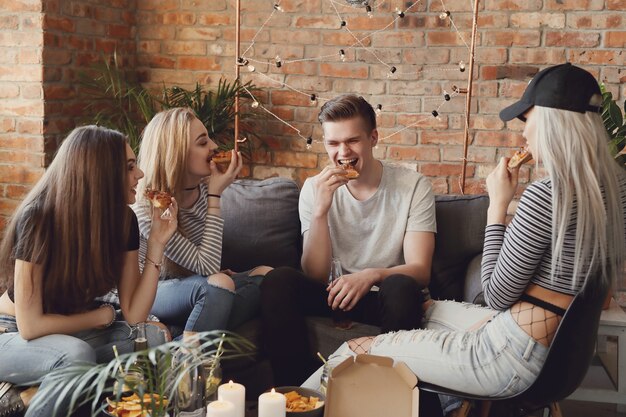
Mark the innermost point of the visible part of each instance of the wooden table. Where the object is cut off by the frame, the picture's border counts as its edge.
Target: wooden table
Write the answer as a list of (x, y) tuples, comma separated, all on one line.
[(606, 380)]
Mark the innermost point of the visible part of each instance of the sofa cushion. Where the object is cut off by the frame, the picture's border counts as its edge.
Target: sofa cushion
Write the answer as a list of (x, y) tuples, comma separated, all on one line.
[(261, 224), (461, 221)]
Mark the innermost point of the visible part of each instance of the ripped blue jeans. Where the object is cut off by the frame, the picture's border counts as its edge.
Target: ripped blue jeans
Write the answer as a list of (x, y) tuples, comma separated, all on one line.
[(497, 358), (195, 305)]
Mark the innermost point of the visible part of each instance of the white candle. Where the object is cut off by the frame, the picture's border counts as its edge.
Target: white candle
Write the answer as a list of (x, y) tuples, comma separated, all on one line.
[(220, 409), (272, 404), (234, 393)]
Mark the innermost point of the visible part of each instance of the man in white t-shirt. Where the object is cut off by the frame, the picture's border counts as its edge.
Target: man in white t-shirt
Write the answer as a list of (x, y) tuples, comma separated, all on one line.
[(381, 227)]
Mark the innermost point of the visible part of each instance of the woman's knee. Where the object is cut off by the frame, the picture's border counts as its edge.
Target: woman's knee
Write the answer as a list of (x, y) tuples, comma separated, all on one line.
[(75, 350), (261, 270), (221, 280)]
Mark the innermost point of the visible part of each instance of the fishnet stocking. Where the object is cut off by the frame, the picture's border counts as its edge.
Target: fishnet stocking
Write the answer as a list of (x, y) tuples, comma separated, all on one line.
[(361, 344), (539, 323)]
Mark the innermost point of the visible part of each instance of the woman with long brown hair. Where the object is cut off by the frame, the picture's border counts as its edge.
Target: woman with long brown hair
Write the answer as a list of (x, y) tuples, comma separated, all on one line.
[(72, 240)]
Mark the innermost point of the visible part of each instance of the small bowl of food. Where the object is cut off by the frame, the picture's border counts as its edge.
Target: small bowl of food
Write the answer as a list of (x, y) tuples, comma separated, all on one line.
[(131, 405), (303, 402)]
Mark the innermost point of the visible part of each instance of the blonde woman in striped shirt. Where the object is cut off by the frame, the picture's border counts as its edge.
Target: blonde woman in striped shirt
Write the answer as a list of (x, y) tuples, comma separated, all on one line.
[(176, 155)]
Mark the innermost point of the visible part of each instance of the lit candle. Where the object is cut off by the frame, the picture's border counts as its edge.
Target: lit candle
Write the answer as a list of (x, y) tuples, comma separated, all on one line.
[(234, 393), (220, 409), (272, 404)]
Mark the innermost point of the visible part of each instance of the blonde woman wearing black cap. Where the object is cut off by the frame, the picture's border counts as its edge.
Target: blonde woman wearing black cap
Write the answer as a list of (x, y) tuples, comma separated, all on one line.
[(567, 228)]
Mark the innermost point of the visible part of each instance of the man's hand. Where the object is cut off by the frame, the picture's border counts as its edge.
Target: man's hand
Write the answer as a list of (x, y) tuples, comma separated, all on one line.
[(348, 290), (326, 183)]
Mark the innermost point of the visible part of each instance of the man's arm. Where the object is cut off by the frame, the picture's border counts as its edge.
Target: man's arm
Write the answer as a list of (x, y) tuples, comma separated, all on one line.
[(418, 254)]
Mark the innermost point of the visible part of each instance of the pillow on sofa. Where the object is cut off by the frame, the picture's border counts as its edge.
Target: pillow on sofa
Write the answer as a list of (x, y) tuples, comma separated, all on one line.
[(461, 221), (261, 224)]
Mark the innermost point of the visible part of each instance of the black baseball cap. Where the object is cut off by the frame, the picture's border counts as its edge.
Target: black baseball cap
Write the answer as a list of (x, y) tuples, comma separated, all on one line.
[(565, 87)]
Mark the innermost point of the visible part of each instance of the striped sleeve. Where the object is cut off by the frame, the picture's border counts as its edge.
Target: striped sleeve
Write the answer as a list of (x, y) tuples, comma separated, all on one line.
[(511, 256), (203, 258)]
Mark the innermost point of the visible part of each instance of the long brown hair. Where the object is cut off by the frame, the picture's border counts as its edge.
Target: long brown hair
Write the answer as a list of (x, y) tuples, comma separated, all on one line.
[(75, 221)]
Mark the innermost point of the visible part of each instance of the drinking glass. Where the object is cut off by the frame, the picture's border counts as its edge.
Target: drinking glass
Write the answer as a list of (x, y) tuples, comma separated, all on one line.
[(341, 318)]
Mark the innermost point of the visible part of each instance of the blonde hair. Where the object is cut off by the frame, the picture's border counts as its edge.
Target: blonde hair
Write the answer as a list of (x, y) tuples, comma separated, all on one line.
[(574, 150), (163, 153)]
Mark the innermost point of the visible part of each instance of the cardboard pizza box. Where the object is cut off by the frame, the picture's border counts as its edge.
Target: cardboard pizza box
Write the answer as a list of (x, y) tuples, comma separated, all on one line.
[(371, 386)]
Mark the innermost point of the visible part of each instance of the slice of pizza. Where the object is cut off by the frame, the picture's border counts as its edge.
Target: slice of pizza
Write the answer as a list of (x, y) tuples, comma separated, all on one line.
[(159, 199), (222, 157), (520, 157)]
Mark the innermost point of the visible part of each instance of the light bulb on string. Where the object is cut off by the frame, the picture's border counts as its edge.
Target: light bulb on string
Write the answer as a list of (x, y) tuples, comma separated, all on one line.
[(278, 8), (368, 9), (379, 109), (279, 62), (309, 141), (435, 114), (399, 12), (392, 70), (313, 98), (255, 104), (343, 23), (462, 66), (446, 96), (443, 15), (251, 68), (342, 55)]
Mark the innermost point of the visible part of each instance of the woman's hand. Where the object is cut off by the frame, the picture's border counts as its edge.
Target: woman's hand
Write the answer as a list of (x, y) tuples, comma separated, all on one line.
[(164, 227), (218, 180), (501, 186)]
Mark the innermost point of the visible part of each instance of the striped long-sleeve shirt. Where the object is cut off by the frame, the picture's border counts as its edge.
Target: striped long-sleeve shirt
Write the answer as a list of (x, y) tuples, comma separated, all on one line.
[(199, 249), (521, 253)]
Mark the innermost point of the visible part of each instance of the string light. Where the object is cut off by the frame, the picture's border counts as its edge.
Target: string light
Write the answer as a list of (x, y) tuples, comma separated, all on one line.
[(358, 43)]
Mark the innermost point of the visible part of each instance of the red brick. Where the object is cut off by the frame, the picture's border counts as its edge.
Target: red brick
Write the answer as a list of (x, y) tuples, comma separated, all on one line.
[(537, 20), (507, 71), (20, 5), (444, 170), (414, 153), (526, 5), (512, 38), (441, 138), (431, 55), (344, 70), (20, 157), (9, 90), (119, 31), (20, 73), (419, 121), (619, 5), (214, 19), (291, 98), (472, 186), (20, 174), (16, 192), (395, 39), (537, 56), (474, 154), (595, 21), (9, 22), (499, 139), (615, 40), (160, 5), (295, 159), (449, 38), (156, 61), (576, 39), (194, 33), (583, 5), (598, 57), (199, 63), (58, 23)]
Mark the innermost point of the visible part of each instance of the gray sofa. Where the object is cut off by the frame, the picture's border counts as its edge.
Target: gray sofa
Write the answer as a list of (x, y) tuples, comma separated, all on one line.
[(262, 227)]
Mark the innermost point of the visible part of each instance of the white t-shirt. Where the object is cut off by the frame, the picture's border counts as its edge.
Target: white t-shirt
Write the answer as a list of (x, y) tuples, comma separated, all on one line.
[(370, 233)]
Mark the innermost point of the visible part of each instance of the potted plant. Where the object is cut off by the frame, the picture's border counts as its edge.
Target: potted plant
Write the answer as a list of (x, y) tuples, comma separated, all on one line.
[(163, 369), (615, 125)]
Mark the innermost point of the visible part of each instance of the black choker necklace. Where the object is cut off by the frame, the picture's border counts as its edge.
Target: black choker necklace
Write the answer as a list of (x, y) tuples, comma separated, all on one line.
[(192, 188)]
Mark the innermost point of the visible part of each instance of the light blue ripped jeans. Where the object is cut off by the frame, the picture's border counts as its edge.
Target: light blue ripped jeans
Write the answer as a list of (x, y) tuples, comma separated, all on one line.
[(495, 359), (195, 305), (26, 361)]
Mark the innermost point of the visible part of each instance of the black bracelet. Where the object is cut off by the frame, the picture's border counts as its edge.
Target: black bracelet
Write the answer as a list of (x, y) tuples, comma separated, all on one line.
[(215, 195)]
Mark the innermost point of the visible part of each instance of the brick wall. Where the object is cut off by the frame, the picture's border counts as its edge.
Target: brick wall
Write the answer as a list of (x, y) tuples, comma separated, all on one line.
[(181, 42), (21, 102)]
